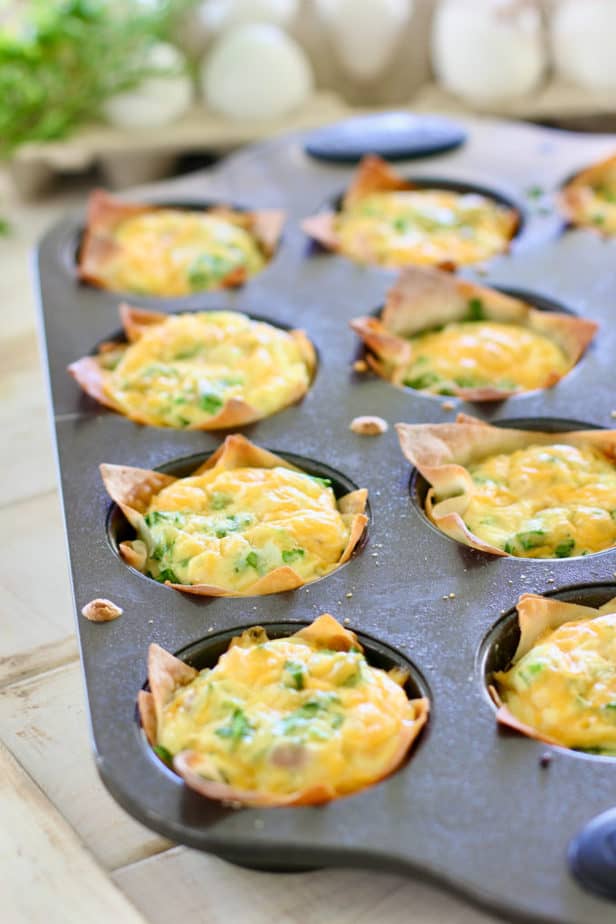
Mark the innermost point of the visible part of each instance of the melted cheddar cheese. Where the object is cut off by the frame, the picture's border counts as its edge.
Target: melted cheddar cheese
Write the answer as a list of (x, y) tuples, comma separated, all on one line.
[(278, 716), (182, 372), (565, 686), (550, 501), (423, 226), (175, 252), (230, 527), (472, 354)]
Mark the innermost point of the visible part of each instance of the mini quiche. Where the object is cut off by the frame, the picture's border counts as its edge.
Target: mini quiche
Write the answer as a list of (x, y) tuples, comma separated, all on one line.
[(443, 335), (245, 522), (589, 199), (155, 250), (515, 492), (385, 220), (561, 685), (297, 720), (200, 370)]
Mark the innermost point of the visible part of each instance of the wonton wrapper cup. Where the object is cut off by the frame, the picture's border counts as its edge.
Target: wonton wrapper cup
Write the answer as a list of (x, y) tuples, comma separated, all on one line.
[(536, 615), (166, 673), (235, 412), (99, 247), (133, 488), (577, 198), (374, 175), (425, 298), (442, 452)]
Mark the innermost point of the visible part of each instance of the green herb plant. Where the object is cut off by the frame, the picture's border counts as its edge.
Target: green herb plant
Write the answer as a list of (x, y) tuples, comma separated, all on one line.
[(61, 59)]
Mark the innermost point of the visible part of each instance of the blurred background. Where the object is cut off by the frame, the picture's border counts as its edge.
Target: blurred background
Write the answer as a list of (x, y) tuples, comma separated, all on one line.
[(140, 89)]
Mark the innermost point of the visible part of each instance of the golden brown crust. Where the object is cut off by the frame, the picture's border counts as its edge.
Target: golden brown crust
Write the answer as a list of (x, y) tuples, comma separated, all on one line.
[(147, 714), (132, 490), (424, 298), (442, 452), (374, 175), (576, 197), (166, 673), (322, 229), (91, 376), (105, 213), (327, 632)]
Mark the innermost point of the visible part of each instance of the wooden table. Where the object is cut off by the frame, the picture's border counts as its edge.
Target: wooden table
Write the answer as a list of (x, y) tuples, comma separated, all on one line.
[(68, 853)]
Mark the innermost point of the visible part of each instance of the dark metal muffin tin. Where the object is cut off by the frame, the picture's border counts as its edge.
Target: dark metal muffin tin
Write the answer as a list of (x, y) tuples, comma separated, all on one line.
[(472, 809)]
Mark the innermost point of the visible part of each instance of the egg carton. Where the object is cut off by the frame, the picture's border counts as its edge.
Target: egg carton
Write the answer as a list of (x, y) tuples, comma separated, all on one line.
[(129, 158), (476, 809)]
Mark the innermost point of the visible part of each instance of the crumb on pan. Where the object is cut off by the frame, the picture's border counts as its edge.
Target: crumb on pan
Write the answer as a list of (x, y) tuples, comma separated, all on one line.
[(448, 406), (360, 365), (369, 426), (101, 610)]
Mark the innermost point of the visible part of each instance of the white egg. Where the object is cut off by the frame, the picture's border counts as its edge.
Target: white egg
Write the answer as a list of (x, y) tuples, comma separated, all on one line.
[(256, 72), (582, 39), (364, 41), (487, 51), (156, 100), (221, 14)]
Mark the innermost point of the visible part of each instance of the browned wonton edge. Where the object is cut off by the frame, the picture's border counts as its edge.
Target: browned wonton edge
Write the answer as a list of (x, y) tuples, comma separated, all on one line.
[(575, 199)]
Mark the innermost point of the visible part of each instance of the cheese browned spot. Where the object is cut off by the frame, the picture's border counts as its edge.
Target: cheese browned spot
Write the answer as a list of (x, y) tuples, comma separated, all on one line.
[(281, 717), (564, 688), (544, 501), (427, 226)]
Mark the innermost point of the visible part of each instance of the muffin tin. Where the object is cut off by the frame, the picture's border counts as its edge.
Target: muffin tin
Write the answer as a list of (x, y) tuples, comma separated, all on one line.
[(473, 809)]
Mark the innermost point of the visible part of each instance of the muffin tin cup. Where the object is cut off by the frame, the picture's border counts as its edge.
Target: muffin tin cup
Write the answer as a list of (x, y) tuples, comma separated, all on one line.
[(472, 809)]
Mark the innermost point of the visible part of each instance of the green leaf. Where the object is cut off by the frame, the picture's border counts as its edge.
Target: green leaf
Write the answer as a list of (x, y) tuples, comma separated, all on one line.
[(156, 517), (165, 755), (531, 539), (252, 560), (534, 192), (189, 352), (326, 482), (210, 402), (598, 219), (423, 381), (167, 574), (219, 500), (290, 555), (476, 311), (297, 672), (564, 549), (239, 727)]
